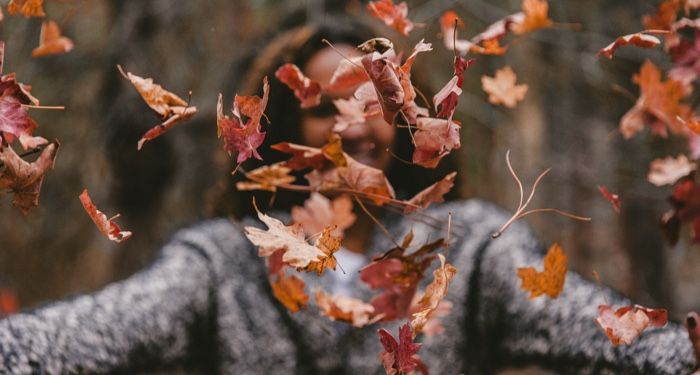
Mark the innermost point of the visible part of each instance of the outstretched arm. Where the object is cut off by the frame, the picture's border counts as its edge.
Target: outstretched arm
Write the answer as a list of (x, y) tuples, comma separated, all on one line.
[(152, 319)]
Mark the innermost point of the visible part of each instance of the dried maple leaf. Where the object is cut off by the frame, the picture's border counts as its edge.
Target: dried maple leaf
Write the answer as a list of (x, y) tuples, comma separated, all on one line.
[(267, 177), (399, 357), (658, 105), (398, 275), (51, 42), (243, 137), (171, 108), (668, 170), (551, 280), (432, 194), (345, 309), (348, 74), (448, 96), (289, 290), (298, 253), (351, 112), (303, 157), (664, 17), (639, 39), (502, 88), (319, 211), (449, 22), (24, 178), (434, 293), (433, 326), (434, 139), (626, 323), (387, 84), (106, 226), (328, 244), (614, 199), (685, 200), (393, 15), (536, 17), (28, 8), (307, 91)]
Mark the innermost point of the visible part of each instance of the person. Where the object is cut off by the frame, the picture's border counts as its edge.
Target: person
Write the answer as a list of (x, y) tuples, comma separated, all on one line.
[(206, 304)]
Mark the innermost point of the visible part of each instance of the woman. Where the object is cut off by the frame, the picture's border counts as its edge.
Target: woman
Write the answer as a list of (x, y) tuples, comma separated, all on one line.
[(206, 303)]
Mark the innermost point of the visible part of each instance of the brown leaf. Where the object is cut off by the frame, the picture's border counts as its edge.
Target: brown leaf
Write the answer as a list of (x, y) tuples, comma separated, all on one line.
[(432, 194), (298, 253), (307, 91), (329, 244), (502, 88), (639, 39), (51, 42), (551, 280), (434, 293), (669, 170), (289, 290), (626, 323), (345, 309), (106, 226), (267, 177), (23, 178), (319, 211)]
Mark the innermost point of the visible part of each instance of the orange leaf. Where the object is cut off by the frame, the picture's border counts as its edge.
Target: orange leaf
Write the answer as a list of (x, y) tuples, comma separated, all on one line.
[(551, 280), (319, 211), (502, 88), (289, 290), (171, 108), (432, 194), (329, 244), (106, 226), (24, 178), (664, 17), (28, 8), (267, 177), (639, 39), (627, 323), (434, 293), (393, 15), (535, 17), (51, 42), (345, 309)]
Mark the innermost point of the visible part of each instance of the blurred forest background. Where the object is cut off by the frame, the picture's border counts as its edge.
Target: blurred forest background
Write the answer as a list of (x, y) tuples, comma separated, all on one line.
[(568, 121)]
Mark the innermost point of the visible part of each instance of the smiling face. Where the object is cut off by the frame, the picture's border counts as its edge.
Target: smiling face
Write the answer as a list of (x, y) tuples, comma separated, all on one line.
[(367, 143)]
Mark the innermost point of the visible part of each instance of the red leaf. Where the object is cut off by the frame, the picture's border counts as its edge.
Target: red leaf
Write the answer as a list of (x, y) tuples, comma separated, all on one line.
[(626, 323), (614, 199), (434, 139), (639, 39), (23, 178), (432, 194), (393, 15), (399, 356), (348, 74), (387, 84), (243, 137), (448, 96), (106, 226), (307, 91)]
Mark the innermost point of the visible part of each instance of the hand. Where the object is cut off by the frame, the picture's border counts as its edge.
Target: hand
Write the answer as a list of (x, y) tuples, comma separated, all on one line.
[(693, 325)]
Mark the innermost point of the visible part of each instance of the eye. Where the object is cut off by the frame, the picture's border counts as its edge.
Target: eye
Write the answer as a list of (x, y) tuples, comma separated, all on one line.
[(325, 109)]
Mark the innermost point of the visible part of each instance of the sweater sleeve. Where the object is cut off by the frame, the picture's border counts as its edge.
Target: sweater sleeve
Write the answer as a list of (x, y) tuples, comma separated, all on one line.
[(556, 333), (158, 318)]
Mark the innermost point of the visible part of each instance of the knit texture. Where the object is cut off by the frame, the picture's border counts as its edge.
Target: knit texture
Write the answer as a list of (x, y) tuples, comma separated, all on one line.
[(206, 304)]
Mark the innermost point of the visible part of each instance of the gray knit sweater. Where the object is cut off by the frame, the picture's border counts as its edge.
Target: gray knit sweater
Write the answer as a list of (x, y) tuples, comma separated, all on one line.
[(206, 304)]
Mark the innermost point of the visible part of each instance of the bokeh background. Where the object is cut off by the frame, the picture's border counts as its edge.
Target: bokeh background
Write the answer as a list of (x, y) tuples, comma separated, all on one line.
[(568, 121)]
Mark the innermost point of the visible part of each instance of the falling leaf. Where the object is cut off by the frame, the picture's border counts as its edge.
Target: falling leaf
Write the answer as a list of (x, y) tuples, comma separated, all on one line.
[(535, 17), (345, 309), (626, 323), (393, 15), (348, 74), (658, 105), (303, 157), (28, 8), (51, 42), (668, 170), (399, 357), (551, 280), (639, 39), (328, 244), (432, 194), (289, 290), (351, 112), (664, 17), (685, 200), (434, 293), (502, 88), (307, 91), (106, 226), (243, 137), (448, 96), (23, 178), (449, 22), (171, 108), (298, 253), (387, 84), (267, 177), (319, 211), (614, 199), (433, 326), (434, 139)]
